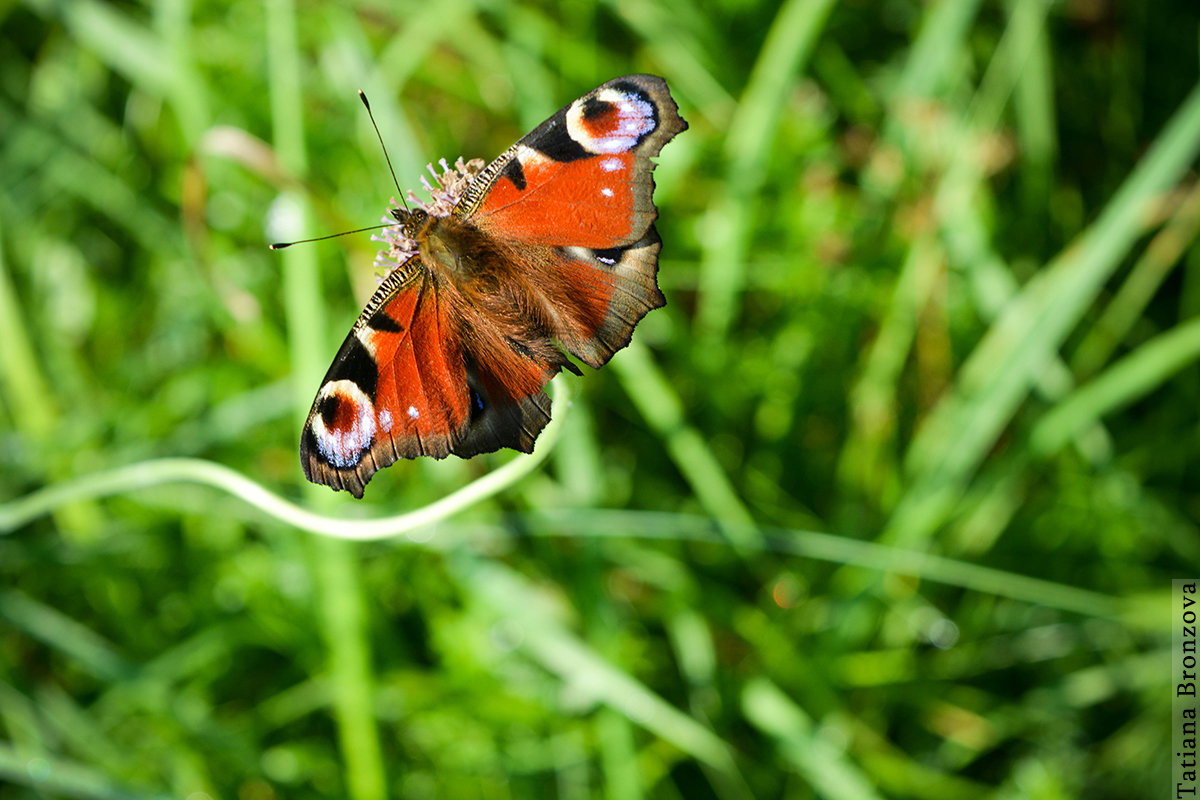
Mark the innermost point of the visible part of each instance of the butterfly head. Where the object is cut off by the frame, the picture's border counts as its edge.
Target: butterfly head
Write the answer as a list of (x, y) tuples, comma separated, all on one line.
[(445, 192), (410, 221)]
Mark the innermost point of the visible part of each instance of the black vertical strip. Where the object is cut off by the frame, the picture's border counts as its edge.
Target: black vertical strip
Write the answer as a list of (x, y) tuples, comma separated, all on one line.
[(355, 364), (515, 173), (382, 321)]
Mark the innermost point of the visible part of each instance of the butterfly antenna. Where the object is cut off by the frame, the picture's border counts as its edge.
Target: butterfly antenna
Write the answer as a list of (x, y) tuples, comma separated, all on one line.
[(281, 245), (362, 96)]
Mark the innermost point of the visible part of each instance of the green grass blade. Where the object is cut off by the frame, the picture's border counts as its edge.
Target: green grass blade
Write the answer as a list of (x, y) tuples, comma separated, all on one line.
[(939, 43), (828, 771), (1131, 378), (558, 651), (748, 146), (659, 404), (836, 549), (25, 391), (998, 374), (84, 646), (864, 462), (1147, 275), (341, 609), (61, 778)]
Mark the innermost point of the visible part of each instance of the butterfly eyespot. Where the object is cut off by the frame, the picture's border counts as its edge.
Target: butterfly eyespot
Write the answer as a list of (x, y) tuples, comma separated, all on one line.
[(343, 426), (613, 120)]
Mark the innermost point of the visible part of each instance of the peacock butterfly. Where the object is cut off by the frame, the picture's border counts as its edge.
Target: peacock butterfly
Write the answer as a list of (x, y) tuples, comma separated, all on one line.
[(549, 248)]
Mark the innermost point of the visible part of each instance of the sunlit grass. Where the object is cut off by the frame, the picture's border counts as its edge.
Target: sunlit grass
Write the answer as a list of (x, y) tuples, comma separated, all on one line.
[(883, 503)]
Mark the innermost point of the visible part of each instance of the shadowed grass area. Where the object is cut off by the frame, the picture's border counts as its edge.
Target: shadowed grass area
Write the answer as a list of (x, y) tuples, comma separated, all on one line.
[(884, 503)]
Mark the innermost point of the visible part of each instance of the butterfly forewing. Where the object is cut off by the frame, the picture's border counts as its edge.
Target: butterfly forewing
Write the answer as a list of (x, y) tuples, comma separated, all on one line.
[(581, 178)]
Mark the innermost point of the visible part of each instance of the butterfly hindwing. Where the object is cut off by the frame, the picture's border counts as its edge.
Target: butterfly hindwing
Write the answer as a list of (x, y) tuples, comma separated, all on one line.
[(604, 294), (500, 420)]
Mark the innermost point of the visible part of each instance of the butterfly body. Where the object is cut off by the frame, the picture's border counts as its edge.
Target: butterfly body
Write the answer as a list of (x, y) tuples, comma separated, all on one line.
[(549, 250)]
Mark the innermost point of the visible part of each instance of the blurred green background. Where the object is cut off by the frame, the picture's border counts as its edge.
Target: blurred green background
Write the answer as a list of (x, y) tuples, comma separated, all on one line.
[(884, 503)]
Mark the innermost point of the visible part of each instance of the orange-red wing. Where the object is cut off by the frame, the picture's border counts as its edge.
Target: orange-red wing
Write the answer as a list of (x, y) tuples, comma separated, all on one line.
[(583, 177), (397, 388)]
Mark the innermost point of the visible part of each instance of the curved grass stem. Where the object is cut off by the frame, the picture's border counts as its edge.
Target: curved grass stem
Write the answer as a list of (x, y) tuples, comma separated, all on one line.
[(124, 480)]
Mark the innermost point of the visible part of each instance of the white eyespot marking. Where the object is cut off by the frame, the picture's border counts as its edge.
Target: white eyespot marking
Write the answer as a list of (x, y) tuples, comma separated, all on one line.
[(413, 413), (607, 192), (385, 420), (606, 260), (346, 436), (611, 164), (615, 129)]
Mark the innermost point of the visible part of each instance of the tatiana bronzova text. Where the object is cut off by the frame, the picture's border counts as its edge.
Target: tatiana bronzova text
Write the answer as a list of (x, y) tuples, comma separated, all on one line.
[(1184, 607)]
